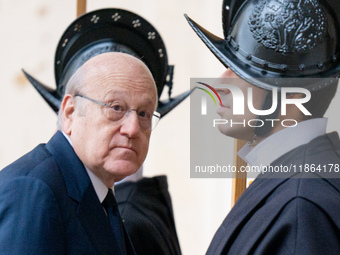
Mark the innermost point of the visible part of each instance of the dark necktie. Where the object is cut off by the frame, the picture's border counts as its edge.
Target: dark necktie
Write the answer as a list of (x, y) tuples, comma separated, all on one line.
[(111, 208)]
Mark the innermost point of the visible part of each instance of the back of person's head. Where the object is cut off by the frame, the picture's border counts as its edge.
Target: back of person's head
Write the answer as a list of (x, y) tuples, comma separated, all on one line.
[(320, 101)]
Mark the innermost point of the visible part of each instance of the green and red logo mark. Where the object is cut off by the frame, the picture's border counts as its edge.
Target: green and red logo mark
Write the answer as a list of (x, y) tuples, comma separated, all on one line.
[(204, 100)]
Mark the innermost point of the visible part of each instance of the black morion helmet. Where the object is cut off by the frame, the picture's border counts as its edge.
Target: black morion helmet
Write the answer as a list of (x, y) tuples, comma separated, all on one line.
[(269, 39)]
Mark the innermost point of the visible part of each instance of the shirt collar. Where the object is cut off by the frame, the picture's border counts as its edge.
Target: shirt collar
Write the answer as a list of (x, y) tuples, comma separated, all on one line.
[(282, 142), (99, 187)]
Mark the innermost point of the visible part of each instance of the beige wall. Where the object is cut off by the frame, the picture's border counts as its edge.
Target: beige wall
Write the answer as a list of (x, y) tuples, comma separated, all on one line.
[(29, 32)]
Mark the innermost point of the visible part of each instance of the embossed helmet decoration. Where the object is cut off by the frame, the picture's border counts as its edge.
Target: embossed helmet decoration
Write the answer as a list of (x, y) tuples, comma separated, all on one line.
[(269, 39), (110, 30)]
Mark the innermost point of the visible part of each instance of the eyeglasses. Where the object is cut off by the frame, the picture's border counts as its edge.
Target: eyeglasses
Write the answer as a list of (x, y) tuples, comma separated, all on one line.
[(147, 120)]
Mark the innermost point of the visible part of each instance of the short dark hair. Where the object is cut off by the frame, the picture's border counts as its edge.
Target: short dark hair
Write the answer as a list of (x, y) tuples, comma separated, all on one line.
[(320, 101)]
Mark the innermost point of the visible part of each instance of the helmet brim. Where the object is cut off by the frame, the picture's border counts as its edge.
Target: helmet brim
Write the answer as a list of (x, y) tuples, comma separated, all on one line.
[(230, 58), (220, 48)]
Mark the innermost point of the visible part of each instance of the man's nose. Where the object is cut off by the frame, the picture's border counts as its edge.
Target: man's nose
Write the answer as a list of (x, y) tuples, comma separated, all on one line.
[(228, 73), (130, 125)]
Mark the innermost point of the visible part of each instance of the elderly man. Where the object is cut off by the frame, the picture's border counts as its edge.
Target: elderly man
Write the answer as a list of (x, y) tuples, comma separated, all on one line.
[(58, 199)]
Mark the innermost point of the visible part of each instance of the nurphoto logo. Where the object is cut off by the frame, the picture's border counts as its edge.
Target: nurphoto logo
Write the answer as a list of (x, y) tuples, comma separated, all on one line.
[(238, 104)]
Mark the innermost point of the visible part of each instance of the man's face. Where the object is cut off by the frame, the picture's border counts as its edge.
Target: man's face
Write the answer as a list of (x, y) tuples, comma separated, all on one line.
[(113, 149), (226, 110)]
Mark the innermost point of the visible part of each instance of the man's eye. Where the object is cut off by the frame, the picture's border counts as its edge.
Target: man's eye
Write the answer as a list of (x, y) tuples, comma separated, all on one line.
[(143, 114), (117, 108)]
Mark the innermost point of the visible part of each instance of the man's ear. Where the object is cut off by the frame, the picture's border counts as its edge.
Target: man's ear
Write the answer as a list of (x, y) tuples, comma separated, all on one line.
[(68, 109)]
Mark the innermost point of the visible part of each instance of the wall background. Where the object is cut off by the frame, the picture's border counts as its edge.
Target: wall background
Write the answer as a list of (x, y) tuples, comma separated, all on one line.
[(30, 31)]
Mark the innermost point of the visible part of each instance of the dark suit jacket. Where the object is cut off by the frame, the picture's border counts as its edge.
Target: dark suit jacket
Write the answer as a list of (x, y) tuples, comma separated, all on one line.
[(146, 209), (48, 206), (291, 214)]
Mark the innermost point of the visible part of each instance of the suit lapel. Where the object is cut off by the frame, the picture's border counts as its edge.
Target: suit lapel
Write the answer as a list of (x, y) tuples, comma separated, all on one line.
[(130, 250), (74, 173), (90, 212)]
